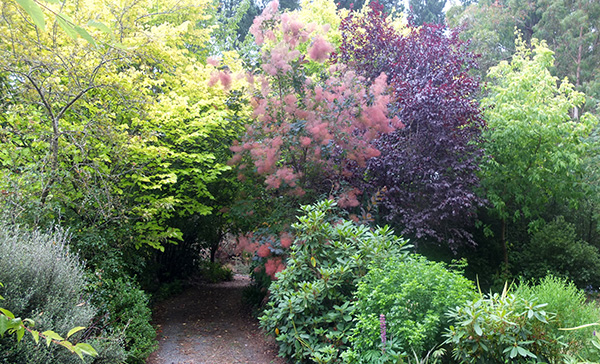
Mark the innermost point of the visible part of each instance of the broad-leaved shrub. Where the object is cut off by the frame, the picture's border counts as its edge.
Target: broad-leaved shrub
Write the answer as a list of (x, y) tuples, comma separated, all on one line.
[(503, 328), (311, 307)]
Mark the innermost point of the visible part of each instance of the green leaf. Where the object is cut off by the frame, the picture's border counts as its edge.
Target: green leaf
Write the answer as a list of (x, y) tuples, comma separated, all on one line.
[(85, 35), (65, 24), (477, 329), (74, 330), (78, 352), (34, 11), (7, 313), (36, 336), (51, 335), (20, 332), (513, 352), (99, 26), (3, 324), (524, 352), (579, 327), (86, 349)]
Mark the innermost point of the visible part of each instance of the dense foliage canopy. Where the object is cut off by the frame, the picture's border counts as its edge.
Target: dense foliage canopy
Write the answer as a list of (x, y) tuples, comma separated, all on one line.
[(428, 169), (154, 131)]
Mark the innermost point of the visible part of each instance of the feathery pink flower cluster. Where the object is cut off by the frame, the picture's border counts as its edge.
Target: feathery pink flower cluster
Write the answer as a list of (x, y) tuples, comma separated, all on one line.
[(306, 129)]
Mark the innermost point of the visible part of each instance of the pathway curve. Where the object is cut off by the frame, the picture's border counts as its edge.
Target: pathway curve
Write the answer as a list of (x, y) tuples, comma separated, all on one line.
[(208, 324)]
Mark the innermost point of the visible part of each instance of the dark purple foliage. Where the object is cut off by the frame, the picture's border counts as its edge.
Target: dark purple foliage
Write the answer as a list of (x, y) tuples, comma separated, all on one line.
[(429, 167)]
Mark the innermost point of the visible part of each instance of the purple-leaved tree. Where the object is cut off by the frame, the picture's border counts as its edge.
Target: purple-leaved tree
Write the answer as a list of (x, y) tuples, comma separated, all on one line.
[(429, 168)]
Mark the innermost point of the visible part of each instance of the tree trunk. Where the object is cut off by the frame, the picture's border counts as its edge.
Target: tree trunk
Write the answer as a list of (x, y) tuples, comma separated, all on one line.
[(503, 243)]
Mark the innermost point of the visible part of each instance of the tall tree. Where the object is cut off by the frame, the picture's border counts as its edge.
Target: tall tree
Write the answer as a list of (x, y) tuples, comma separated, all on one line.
[(427, 169), (489, 28), (572, 30), (535, 150), (312, 122), (427, 11), (126, 128)]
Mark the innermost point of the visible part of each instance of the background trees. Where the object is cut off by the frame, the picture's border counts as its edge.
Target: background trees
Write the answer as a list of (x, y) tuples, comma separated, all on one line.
[(535, 151), (568, 26), (427, 11)]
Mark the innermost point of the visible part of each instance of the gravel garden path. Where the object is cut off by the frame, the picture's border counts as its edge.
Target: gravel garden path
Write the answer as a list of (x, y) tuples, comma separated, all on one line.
[(208, 324)]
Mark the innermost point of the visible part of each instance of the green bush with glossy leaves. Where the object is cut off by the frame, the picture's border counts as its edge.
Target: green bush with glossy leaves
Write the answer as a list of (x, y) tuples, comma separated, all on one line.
[(311, 308), (525, 326)]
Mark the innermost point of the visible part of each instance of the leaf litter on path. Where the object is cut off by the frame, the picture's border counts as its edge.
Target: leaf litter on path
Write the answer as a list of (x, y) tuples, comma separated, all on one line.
[(208, 324)]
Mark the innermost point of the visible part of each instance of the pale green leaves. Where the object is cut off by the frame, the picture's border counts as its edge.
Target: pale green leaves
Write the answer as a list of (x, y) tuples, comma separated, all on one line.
[(33, 9), (17, 326), (537, 150), (99, 26), (73, 30), (74, 330)]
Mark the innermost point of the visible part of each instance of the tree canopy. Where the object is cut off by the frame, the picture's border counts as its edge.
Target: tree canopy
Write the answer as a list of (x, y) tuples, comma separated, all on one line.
[(535, 151), (427, 169), (125, 128)]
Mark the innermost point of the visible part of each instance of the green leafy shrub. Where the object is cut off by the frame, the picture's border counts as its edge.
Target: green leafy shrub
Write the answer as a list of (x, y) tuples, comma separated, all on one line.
[(414, 295), (126, 310), (503, 328), (168, 289), (44, 281), (555, 248), (123, 308), (311, 309), (254, 295), (215, 272), (570, 309)]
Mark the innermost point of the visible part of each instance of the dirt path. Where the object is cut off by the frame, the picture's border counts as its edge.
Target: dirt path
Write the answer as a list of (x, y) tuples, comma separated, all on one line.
[(208, 324)]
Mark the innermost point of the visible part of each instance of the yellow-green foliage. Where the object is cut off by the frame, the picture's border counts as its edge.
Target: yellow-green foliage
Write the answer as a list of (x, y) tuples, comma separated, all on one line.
[(133, 124), (537, 149), (324, 12)]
